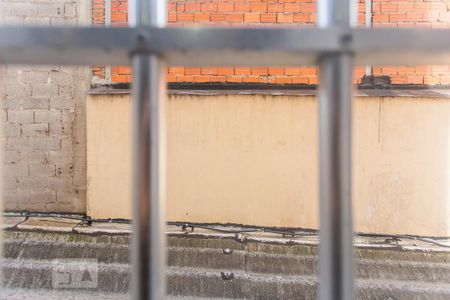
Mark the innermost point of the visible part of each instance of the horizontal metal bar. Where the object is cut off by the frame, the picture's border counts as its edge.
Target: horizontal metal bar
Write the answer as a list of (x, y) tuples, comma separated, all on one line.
[(179, 46), (401, 46), (221, 46)]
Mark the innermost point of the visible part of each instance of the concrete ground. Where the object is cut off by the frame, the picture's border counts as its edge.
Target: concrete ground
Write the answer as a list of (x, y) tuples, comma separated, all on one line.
[(208, 264)]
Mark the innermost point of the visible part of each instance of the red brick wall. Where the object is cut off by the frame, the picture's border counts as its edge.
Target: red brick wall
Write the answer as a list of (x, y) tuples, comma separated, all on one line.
[(293, 13)]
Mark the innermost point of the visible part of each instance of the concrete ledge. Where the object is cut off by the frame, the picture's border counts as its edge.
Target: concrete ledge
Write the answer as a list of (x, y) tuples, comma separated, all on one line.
[(432, 93)]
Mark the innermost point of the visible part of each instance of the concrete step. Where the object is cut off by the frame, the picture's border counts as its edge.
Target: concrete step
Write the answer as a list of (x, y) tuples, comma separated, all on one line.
[(186, 282), (217, 258), (45, 294)]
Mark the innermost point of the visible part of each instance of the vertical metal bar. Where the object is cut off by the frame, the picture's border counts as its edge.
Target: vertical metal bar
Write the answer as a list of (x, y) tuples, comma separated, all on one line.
[(149, 92), (335, 102), (368, 25), (107, 24)]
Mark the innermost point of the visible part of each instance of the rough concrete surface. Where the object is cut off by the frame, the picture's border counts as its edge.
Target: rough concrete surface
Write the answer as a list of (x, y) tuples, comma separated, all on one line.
[(43, 118), (220, 266)]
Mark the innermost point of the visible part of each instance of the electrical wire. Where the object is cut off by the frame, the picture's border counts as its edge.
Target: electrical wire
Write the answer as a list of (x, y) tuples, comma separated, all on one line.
[(87, 220)]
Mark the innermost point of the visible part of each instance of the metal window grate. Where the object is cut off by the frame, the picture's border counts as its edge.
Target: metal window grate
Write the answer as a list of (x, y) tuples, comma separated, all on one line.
[(149, 46)]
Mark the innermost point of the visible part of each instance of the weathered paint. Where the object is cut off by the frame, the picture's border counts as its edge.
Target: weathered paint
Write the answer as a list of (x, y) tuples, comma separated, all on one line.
[(252, 159)]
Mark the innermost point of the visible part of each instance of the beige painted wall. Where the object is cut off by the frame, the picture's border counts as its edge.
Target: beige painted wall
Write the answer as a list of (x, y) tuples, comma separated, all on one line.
[(253, 160)]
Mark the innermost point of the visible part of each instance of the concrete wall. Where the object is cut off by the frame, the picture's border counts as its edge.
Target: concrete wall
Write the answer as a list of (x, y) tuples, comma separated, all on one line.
[(253, 160), (44, 118)]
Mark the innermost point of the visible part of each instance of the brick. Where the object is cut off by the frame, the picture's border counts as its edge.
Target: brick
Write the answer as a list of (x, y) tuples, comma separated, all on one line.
[(66, 143), (119, 78), (218, 17), (64, 169), (19, 143), (313, 80), (284, 18), (414, 79), (63, 21), (23, 9), (292, 70), (217, 78), (252, 17), (389, 70), (234, 78), (172, 17), (20, 116), (33, 77), (70, 10), (225, 7), (42, 196), (192, 71), (242, 7), (50, 10), (47, 143), (308, 71), (59, 129), (60, 183), (439, 70), (398, 79), (380, 18), (42, 170), (201, 78), (124, 70), (171, 78), (38, 129), (429, 79), (65, 197), (9, 183), (17, 198), (16, 169), (211, 7), (60, 103), (397, 17), (32, 183), (444, 79), (301, 18), (225, 71), (269, 18), (250, 79), (59, 206), (185, 17), (192, 7), (414, 16), (235, 17), (18, 90), (292, 7), (243, 71), (30, 155), (422, 70), (45, 116), (45, 90), (260, 71), (276, 71), (308, 7), (188, 78), (258, 7), (405, 6), (299, 80), (27, 103), (11, 129), (10, 156), (275, 7), (209, 71), (283, 80), (406, 70), (389, 6), (202, 17)]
